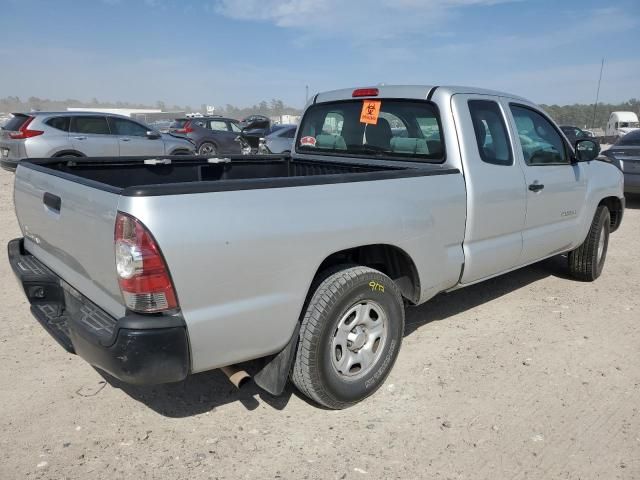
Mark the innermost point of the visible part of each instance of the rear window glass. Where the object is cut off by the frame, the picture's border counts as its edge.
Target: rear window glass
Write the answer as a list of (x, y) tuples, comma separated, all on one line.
[(59, 123), (632, 138), (408, 129), (95, 125), (15, 123)]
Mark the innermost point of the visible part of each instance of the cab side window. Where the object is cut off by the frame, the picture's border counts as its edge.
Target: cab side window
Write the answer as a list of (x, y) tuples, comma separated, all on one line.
[(540, 141), (491, 132)]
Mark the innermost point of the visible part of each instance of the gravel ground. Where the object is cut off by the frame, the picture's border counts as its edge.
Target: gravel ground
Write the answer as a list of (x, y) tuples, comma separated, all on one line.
[(531, 375)]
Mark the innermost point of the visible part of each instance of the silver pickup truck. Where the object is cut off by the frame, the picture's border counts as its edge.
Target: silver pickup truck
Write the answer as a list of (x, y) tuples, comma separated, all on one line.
[(152, 270)]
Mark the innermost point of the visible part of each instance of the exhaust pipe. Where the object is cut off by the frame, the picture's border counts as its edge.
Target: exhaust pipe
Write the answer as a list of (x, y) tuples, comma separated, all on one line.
[(235, 375)]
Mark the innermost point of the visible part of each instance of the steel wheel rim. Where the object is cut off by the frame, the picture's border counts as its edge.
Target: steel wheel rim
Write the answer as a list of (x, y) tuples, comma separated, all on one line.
[(359, 339), (601, 244), (207, 149)]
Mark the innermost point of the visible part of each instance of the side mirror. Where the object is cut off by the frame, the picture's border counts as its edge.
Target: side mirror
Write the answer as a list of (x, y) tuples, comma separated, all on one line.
[(151, 135), (586, 150)]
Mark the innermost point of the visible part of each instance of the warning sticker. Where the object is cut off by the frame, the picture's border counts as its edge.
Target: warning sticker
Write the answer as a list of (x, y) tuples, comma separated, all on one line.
[(370, 111), (308, 141)]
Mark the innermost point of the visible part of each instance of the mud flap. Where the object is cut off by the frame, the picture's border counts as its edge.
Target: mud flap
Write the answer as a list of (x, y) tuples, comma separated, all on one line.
[(275, 373)]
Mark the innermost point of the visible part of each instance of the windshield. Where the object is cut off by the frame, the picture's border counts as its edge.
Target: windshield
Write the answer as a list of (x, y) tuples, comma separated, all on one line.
[(629, 124), (409, 129)]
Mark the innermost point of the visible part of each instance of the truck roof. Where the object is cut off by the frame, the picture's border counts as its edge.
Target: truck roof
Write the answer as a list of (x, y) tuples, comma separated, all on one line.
[(625, 116), (408, 91)]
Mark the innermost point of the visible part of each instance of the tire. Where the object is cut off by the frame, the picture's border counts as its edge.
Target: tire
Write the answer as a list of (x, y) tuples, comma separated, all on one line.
[(207, 148), (350, 336), (587, 261)]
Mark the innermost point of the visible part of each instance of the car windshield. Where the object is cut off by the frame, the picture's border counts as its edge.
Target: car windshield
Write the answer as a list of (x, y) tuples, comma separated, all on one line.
[(409, 129), (629, 124)]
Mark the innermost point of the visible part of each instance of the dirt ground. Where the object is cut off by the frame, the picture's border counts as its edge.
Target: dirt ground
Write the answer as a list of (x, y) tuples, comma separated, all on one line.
[(531, 375)]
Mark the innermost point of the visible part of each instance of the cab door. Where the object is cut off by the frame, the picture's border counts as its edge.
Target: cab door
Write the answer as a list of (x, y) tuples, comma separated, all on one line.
[(556, 186), (90, 135), (133, 139), (495, 187)]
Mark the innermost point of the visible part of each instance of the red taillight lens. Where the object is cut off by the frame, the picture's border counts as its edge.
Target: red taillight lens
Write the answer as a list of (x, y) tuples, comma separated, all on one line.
[(186, 128), (142, 273), (24, 131), (365, 92)]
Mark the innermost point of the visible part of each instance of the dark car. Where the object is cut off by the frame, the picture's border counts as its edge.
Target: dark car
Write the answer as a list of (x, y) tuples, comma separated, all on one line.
[(212, 135), (626, 154), (255, 127), (574, 133)]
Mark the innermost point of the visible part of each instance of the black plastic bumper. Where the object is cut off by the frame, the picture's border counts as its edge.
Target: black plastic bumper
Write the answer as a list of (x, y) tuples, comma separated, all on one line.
[(9, 165), (137, 349)]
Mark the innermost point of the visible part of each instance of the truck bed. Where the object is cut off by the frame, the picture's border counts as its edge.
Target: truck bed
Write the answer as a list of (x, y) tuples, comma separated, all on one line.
[(134, 176)]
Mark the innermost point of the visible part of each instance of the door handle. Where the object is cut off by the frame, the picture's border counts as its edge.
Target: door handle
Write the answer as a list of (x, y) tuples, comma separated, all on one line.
[(80, 138), (125, 139), (53, 202), (536, 187)]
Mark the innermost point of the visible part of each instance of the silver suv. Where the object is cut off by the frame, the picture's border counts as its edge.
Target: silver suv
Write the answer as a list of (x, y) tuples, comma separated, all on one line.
[(73, 134)]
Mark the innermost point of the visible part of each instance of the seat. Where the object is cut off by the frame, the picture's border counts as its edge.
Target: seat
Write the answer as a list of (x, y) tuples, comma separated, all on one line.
[(409, 145), (481, 137), (379, 135), (333, 142)]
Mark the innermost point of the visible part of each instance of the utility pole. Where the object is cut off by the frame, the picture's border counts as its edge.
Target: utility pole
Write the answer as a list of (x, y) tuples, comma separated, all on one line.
[(306, 95), (595, 105)]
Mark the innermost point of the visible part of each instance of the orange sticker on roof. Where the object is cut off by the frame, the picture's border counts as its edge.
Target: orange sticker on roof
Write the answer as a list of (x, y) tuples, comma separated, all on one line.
[(370, 111)]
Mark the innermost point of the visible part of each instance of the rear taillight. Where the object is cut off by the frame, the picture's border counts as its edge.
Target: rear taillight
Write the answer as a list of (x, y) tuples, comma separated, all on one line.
[(24, 131), (365, 92), (186, 128), (142, 272)]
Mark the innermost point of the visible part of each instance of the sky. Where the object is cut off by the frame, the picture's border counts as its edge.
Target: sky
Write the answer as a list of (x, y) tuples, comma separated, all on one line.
[(193, 52)]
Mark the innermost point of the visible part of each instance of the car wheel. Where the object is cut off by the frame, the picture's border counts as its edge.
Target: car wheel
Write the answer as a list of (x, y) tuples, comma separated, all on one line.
[(587, 261), (350, 336), (207, 148)]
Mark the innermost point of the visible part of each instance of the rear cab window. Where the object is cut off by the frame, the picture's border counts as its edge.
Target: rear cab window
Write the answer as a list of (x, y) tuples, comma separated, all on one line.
[(385, 128)]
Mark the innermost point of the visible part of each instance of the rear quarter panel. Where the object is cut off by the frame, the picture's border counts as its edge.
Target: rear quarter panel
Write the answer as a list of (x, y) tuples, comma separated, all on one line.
[(243, 261)]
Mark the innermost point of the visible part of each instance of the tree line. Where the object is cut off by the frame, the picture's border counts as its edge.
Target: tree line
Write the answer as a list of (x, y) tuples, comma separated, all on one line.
[(275, 107), (582, 115)]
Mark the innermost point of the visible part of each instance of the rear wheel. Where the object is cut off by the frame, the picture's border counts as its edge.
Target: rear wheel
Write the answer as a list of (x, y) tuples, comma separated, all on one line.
[(207, 148), (587, 261), (349, 338)]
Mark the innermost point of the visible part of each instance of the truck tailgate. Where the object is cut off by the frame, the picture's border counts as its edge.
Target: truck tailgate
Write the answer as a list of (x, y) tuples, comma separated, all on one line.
[(69, 227)]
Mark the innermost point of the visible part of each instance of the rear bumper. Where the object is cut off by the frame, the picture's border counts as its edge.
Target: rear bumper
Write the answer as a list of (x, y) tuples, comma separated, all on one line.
[(9, 165), (136, 349), (632, 183)]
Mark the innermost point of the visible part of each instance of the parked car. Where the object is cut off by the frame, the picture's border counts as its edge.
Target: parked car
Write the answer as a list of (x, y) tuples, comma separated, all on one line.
[(80, 134), (307, 260), (255, 127), (574, 133), (214, 135), (625, 153), (279, 140)]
